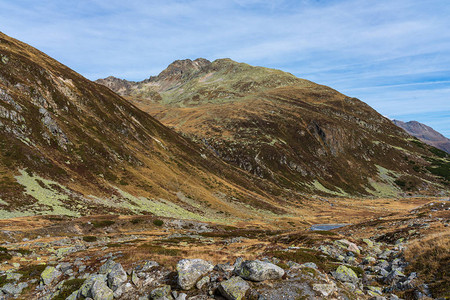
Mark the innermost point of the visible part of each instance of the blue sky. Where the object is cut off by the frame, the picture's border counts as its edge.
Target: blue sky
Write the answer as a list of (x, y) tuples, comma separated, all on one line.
[(394, 55)]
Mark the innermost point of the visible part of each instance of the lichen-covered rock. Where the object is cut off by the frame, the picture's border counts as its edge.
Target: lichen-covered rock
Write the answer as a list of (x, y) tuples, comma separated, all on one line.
[(344, 244), (13, 289), (257, 270), (73, 296), (393, 277), (345, 274), (107, 266), (116, 277), (202, 282), (190, 270), (234, 288), (309, 265), (49, 275), (161, 293), (85, 289), (100, 291), (324, 289)]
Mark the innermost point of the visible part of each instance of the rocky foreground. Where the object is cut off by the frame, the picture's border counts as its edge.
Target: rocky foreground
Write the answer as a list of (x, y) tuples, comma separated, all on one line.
[(147, 258)]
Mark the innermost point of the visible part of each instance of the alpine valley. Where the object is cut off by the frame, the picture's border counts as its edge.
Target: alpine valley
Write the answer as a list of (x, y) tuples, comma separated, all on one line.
[(212, 180)]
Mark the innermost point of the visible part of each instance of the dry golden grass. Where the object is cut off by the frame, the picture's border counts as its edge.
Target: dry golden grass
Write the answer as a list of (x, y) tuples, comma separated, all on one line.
[(430, 257)]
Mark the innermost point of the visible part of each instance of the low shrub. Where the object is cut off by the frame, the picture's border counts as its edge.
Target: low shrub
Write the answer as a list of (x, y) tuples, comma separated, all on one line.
[(158, 222)]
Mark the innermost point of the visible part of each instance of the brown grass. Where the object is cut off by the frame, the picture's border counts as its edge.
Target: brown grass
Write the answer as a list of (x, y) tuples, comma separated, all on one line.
[(430, 257)]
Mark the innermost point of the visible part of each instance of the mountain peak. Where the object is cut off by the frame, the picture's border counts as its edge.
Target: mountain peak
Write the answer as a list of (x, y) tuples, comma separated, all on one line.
[(181, 68), (425, 133)]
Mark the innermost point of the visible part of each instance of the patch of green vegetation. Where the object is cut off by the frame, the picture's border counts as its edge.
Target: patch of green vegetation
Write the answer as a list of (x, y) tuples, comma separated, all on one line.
[(156, 249), (418, 143), (49, 200), (158, 222), (136, 221), (318, 186), (384, 186), (23, 251), (31, 271), (438, 152), (68, 288), (323, 261), (4, 255), (102, 223), (439, 167), (89, 238), (113, 245)]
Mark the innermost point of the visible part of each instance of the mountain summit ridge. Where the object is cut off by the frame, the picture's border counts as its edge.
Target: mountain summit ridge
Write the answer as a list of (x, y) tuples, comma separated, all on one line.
[(425, 133), (291, 131)]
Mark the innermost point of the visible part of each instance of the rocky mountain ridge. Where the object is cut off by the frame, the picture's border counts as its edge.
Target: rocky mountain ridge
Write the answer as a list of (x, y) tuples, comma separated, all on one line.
[(290, 131), (425, 133)]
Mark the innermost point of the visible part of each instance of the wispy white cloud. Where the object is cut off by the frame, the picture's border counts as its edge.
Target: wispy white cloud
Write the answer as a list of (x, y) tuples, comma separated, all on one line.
[(392, 54)]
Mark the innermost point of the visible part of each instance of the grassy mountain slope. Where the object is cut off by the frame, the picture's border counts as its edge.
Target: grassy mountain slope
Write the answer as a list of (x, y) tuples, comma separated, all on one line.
[(70, 146), (295, 133)]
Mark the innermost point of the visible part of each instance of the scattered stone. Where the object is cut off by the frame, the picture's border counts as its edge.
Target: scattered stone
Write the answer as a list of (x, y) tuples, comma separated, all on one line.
[(324, 289), (345, 274), (190, 270), (116, 277), (85, 289), (107, 266), (13, 289), (202, 282), (49, 275), (309, 265), (234, 288), (100, 291), (257, 270), (161, 293)]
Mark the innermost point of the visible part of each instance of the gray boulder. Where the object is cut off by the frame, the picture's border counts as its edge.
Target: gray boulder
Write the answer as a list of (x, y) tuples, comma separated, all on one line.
[(345, 274), (234, 288), (394, 277), (49, 275), (257, 270), (85, 289), (324, 289), (161, 293), (107, 266), (100, 291), (117, 276), (11, 289), (190, 271)]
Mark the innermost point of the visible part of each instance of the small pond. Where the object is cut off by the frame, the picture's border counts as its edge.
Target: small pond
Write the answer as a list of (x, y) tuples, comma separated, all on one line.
[(326, 226)]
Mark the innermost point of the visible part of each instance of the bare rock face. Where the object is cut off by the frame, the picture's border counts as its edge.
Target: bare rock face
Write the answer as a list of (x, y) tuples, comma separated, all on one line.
[(426, 134)]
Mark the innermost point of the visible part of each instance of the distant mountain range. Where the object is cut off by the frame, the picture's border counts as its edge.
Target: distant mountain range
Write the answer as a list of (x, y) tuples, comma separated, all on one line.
[(425, 133), (290, 131)]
